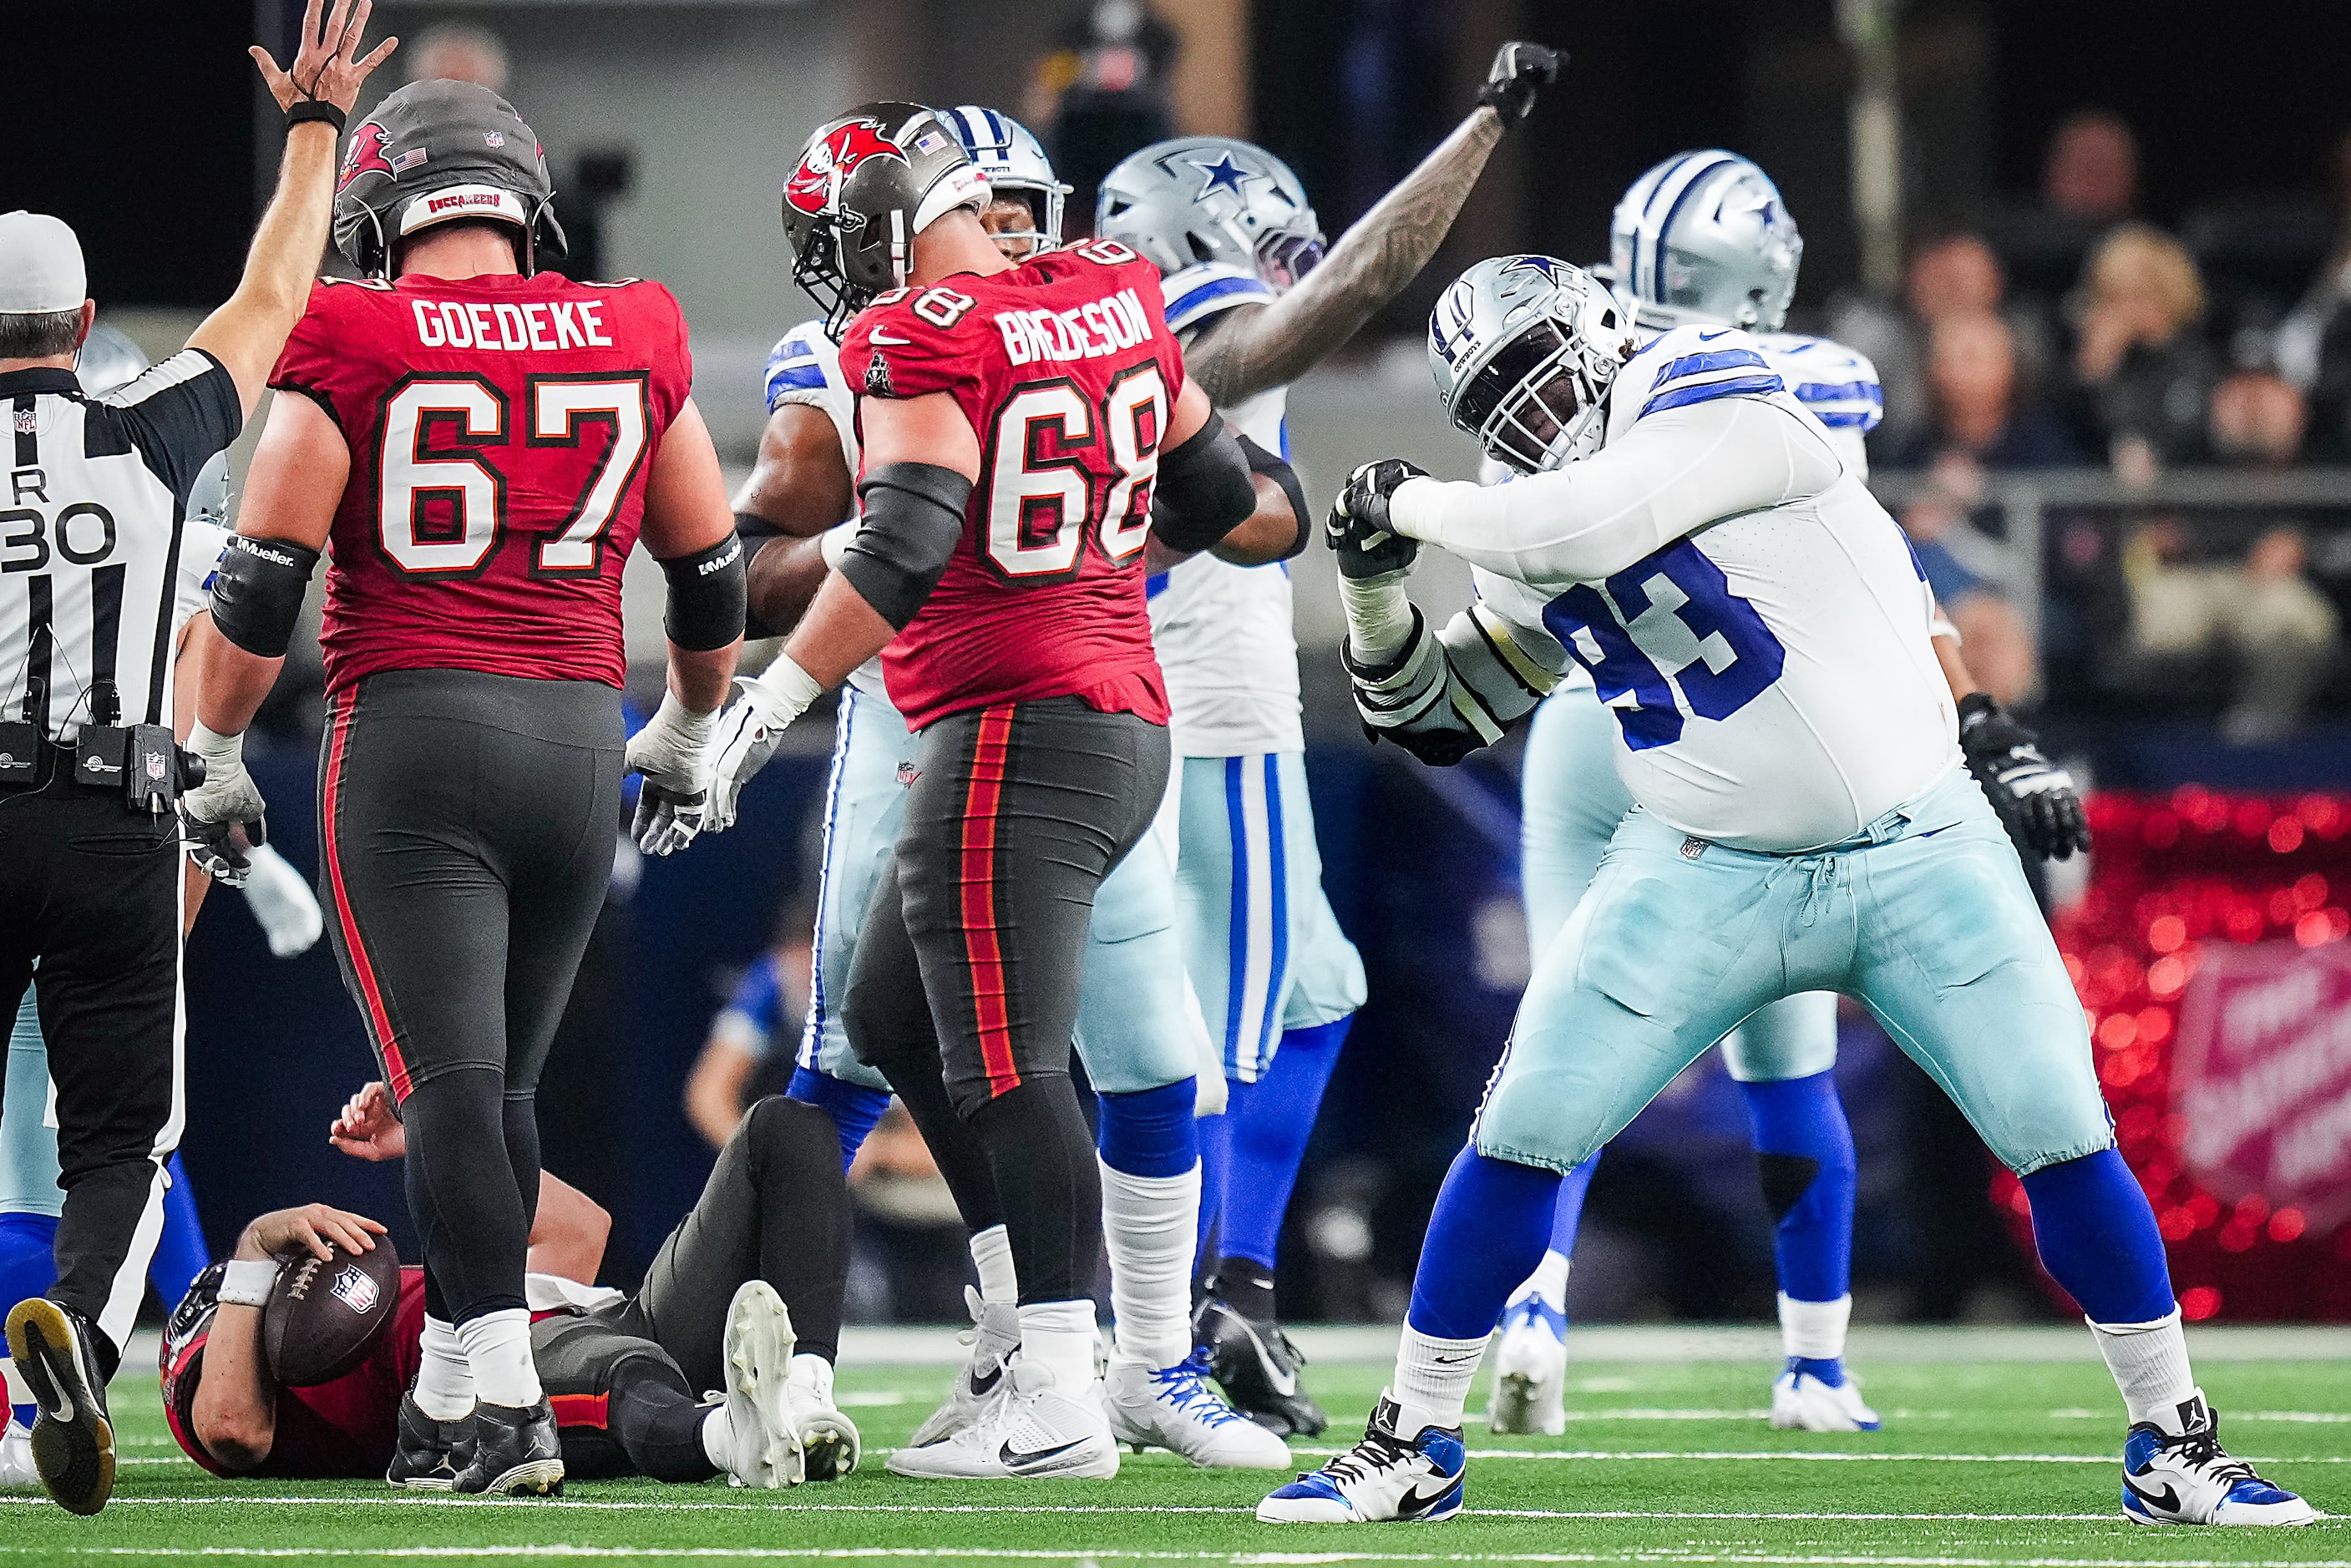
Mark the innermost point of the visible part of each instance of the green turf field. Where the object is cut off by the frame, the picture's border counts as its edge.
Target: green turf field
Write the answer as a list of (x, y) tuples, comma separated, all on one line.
[(1982, 1463)]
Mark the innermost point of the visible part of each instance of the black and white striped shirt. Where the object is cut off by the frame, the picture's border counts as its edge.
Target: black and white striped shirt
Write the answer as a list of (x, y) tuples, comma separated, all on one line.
[(99, 564)]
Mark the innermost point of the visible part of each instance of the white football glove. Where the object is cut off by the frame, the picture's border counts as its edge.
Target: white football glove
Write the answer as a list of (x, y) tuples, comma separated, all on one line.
[(224, 817), (750, 729), (673, 753), (281, 900)]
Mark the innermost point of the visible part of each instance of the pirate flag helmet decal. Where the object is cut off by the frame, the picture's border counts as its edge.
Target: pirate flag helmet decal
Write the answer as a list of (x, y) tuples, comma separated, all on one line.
[(866, 184), (436, 151)]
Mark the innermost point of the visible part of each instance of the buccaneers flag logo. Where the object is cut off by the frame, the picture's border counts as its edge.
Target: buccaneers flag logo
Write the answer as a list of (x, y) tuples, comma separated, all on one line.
[(366, 152), (834, 159)]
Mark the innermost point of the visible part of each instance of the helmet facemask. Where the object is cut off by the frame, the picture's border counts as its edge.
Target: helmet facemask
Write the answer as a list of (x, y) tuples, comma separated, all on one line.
[(867, 183), (1285, 257), (1535, 403)]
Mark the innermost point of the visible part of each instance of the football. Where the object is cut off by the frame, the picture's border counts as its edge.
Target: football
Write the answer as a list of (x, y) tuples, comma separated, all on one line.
[(323, 1313)]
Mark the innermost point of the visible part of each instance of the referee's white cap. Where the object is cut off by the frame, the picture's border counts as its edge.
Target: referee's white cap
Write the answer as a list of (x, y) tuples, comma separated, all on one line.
[(41, 270)]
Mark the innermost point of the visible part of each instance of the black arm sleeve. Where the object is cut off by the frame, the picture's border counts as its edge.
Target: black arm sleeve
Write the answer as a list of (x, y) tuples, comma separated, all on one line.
[(257, 592), (706, 597), (910, 521), (751, 526), (1204, 491), (1273, 466)]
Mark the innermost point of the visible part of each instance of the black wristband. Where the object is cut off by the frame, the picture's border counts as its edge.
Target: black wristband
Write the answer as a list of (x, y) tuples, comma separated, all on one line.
[(310, 108)]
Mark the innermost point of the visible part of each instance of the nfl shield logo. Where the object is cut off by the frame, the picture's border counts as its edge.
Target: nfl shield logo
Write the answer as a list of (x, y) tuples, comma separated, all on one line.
[(495, 138), (154, 765), (25, 421), (355, 1289)]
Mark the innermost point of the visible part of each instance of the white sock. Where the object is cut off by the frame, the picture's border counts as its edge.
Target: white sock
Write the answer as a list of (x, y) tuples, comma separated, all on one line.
[(497, 1347), (1815, 1329), (445, 1381), (1548, 1280), (991, 1254), (1150, 1228), (813, 1373), (718, 1439), (1433, 1378), (2149, 1361), (1058, 1337)]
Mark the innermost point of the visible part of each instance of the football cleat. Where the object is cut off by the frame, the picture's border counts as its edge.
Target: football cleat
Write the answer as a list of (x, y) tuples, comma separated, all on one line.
[(428, 1455), (1173, 1407), (1256, 1366), (762, 1437), (1032, 1431), (1530, 1393), (994, 1336), (2186, 1477), (516, 1452), (16, 1470), (829, 1438), (1820, 1396), (72, 1442), (1386, 1477)]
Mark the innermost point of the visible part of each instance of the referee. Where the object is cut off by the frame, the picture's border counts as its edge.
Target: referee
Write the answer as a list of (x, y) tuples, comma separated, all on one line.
[(91, 523)]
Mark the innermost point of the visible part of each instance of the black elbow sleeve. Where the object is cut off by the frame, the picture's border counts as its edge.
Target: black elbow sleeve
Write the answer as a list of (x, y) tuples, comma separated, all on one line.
[(1274, 466), (706, 597), (910, 519), (1204, 491), (257, 592)]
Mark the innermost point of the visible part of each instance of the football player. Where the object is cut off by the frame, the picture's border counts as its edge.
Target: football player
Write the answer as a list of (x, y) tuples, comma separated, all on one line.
[(1005, 582), (1704, 239), (745, 1295), (484, 443), (1257, 304), (1758, 625), (1138, 1030)]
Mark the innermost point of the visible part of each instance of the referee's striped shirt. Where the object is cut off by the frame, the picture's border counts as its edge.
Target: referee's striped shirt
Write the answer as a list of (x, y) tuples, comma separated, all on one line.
[(99, 563)]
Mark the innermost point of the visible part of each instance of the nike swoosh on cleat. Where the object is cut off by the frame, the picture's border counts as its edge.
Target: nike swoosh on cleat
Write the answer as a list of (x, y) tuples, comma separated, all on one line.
[(986, 1385), (1014, 1458), (2167, 1499), (1414, 1501)]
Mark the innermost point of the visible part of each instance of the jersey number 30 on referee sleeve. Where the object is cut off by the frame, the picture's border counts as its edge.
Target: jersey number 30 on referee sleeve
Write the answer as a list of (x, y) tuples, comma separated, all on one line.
[(440, 512)]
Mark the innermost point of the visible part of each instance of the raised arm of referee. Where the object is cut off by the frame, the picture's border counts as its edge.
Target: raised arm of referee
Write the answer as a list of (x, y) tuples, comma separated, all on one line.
[(91, 525)]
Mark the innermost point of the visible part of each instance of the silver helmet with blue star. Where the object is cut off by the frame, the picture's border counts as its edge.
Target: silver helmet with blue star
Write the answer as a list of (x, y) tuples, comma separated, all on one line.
[(1524, 349), (1212, 199), (1704, 239), (1015, 163)]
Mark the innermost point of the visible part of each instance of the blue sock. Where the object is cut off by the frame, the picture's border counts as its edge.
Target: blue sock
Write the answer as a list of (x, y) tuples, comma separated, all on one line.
[(1803, 1147), (854, 1107), (2097, 1238), (180, 1253), (1150, 1132), (28, 1267), (1567, 1214), (1492, 1221), (1271, 1122), (1215, 1135)]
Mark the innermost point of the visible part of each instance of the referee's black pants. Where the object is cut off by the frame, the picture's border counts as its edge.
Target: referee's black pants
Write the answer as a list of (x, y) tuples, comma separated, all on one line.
[(91, 894)]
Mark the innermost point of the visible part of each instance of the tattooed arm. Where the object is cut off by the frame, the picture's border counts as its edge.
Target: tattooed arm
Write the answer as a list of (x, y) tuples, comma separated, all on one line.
[(1250, 348)]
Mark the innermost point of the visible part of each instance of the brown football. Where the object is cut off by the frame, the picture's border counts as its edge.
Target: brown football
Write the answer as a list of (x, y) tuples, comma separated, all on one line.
[(324, 1313)]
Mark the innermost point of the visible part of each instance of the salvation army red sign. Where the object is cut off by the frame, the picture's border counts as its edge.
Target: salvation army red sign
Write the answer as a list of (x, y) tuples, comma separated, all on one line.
[(2261, 1077)]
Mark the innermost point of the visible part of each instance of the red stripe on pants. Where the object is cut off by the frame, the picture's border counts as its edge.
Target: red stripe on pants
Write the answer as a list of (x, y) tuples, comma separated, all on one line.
[(581, 1409), (983, 948), (379, 1016)]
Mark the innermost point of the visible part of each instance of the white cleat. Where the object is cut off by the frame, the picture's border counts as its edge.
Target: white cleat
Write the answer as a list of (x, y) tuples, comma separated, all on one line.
[(16, 1471), (758, 1350), (1173, 1407), (2186, 1477), (1804, 1400), (1386, 1476), (1530, 1393), (1033, 1432), (994, 1336), (829, 1438)]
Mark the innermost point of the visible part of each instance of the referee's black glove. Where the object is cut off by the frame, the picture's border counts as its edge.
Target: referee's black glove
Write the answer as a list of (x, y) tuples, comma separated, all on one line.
[(2036, 798)]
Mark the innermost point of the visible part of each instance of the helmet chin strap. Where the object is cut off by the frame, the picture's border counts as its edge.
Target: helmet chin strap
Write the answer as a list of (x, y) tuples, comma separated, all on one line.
[(898, 247)]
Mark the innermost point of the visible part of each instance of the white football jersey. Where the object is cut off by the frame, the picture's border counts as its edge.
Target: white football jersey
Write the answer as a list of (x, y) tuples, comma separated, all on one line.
[(1838, 384), (1754, 618), (1224, 633), (804, 366)]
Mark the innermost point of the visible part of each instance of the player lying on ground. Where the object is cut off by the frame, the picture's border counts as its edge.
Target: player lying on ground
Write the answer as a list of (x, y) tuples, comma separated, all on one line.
[(1138, 1030), (745, 1295), (1256, 303), (1686, 532), (1704, 239)]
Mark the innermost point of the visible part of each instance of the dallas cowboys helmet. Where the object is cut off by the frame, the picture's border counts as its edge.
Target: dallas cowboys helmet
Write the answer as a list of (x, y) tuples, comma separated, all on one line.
[(867, 183), (1524, 349), (1212, 199), (1704, 238), (110, 361), (1016, 166)]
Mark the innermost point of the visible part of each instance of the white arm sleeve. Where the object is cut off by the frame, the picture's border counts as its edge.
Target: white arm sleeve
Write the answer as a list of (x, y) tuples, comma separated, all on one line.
[(1672, 472)]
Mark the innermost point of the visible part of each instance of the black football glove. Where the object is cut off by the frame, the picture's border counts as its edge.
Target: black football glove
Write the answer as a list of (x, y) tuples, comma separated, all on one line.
[(2036, 798), (1358, 527), (1520, 71), (223, 850)]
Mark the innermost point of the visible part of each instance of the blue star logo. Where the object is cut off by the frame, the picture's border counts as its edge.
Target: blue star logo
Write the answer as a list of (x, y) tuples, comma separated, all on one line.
[(1224, 175), (1549, 267)]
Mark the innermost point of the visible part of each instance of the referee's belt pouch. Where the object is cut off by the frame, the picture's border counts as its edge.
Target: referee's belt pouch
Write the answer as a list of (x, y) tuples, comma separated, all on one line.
[(21, 745), (140, 760), (98, 756)]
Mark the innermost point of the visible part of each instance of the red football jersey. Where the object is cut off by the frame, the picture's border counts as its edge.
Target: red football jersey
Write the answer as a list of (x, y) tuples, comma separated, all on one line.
[(1065, 368), (341, 1428), (500, 431)]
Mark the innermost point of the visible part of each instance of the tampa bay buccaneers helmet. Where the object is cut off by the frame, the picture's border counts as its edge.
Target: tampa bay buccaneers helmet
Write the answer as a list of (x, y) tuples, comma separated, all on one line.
[(436, 151), (867, 183)]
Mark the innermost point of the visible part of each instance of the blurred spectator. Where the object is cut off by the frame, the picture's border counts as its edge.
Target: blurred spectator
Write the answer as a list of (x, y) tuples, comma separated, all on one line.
[(2143, 377), (1103, 94), (1951, 273), (2258, 420), (2313, 343), (458, 52), (2089, 183), (1978, 413), (753, 1037), (2263, 613), (1959, 563)]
